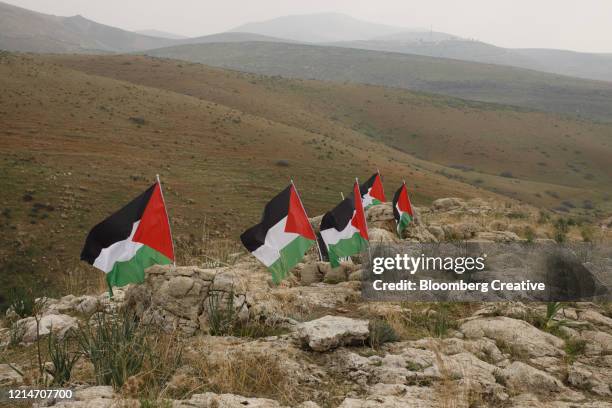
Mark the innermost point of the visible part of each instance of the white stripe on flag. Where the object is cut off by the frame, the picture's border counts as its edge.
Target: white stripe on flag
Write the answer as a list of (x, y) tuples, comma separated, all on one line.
[(332, 236), (119, 251), (276, 239)]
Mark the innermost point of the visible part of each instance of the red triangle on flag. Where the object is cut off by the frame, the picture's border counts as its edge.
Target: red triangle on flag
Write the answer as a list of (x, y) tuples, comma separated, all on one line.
[(403, 201), (359, 220), (377, 191), (297, 220), (154, 228)]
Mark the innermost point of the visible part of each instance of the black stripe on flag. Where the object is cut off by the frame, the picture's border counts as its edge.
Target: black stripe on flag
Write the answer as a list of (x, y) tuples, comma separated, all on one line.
[(396, 196), (115, 228), (363, 189), (340, 216), (275, 211)]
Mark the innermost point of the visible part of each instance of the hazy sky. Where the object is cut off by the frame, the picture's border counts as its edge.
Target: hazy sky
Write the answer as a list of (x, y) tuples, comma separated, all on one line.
[(582, 25)]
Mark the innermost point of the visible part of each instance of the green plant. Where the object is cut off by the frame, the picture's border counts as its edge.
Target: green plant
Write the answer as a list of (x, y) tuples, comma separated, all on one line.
[(561, 229), (381, 332), (573, 348), (16, 332), (62, 358), (549, 323), (222, 314), (587, 233), (529, 235), (116, 345), (21, 301)]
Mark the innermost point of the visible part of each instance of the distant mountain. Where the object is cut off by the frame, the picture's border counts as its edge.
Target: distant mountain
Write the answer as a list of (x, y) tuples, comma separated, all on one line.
[(29, 31), (233, 37), (468, 80), (318, 28), (161, 34), (576, 64)]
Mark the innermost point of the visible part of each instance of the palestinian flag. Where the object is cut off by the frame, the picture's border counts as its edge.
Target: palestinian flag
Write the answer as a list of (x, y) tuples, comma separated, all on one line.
[(344, 229), (129, 241), (283, 236), (402, 209), (372, 192)]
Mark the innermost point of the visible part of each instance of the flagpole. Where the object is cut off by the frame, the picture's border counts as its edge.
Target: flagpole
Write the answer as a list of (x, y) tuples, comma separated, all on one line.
[(364, 218), (304, 209), (168, 218)]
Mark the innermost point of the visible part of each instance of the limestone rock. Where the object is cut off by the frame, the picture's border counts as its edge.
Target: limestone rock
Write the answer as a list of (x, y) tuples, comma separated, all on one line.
[(520, 377), (310, 274), (59, 323), (8, 376), (332, 331), (378, 235), (211, 400), (595, 317), (516, 335), (447, 204), (597, 343)]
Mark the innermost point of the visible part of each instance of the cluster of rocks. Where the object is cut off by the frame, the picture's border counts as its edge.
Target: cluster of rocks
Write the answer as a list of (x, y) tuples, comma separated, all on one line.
[(494, 357)]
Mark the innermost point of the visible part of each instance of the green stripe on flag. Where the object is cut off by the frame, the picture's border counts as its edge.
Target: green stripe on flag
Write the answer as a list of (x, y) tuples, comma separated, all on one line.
[(290, 256), (405, 219), (346, 247), (374, 202), (132, 271)]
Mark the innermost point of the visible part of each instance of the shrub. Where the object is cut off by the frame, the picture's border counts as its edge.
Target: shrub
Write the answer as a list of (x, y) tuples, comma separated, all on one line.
[(116, 346), (22, 302), (587, 233), (222, 314), (506, 174), (63, 360), (573, 348), (529, 234), (381, 332)]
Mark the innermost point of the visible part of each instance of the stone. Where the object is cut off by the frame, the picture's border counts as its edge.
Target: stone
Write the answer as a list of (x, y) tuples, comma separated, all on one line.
[(356, 275), (212, 400), (310, 274), (514, 335), (595, 317), (520, 377), (90, 393), (331, 332), (378, 235), (59, 323), (447, 204), (87, 305), (335, 275), (9, 377), (597, 343), (498, 236)]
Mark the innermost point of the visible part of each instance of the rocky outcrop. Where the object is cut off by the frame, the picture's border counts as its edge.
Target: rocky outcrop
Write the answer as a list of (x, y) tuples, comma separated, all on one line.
[(9, 377), (330, 332), (59, 324), (515, 336)]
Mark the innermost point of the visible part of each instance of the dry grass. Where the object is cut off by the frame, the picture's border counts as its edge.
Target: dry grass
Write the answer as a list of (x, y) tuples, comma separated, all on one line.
[(249, 374)]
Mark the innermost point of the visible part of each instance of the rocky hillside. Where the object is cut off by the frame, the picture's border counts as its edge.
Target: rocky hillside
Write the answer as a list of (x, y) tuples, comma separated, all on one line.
[(217, 335)]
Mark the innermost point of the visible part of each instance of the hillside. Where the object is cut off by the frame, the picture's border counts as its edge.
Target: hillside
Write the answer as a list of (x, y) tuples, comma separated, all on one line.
[(28, 31), (561, 62), (78, 146), (480, 82)]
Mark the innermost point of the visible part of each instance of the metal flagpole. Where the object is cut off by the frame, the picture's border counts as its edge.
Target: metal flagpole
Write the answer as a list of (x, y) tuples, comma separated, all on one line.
[(303, 208), (168, 218)]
